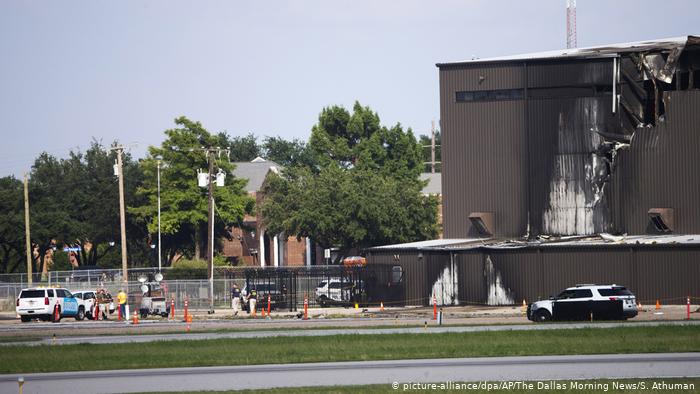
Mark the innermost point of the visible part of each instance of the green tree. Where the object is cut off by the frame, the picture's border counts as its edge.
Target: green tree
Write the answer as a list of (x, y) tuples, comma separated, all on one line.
[(286, 153), (241, 148), (362, 189), (12, 243), (75, 202), (184, 208)]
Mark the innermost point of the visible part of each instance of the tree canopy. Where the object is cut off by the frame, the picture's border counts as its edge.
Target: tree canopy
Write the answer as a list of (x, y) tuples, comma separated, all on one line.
[(184, 204), (361, 189)]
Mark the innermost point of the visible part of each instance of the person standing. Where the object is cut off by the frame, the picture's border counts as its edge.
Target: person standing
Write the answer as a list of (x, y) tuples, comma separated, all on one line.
[(121, 299), (252, 300), (235, 299)]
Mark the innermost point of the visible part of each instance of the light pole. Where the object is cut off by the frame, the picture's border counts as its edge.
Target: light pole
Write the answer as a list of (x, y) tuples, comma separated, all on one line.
[(159, 250)]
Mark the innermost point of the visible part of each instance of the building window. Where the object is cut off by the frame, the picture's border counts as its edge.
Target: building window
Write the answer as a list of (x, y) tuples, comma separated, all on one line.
[(490, 95)]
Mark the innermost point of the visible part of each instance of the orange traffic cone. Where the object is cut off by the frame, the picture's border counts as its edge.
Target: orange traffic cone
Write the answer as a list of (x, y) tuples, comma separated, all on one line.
[(658, 305), (135, 320), (381, 306)]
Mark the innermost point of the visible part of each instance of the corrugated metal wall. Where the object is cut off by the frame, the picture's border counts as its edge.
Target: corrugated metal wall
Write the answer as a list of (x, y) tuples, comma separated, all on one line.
[(483, 151), (661, 169), (486, 147), (651, 272)]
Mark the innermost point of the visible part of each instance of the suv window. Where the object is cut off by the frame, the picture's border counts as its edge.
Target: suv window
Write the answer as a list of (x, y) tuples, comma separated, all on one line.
[(582, 293), (615, 291), (60, 293), (334, 285), (566, 294), (32, 294), (51, 294), (78, 295)]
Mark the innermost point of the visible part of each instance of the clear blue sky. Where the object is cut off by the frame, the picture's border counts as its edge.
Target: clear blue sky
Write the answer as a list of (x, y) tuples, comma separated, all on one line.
[(71, 71)]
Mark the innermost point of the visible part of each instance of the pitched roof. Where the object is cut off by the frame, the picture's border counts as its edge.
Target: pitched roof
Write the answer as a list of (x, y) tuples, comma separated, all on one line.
[(434, 185), (255, 172)]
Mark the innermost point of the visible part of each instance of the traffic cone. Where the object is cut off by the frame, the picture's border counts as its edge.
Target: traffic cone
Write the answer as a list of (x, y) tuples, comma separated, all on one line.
[(381, 306), (524, 308), (135, 320), (658, 305), (434, 309)]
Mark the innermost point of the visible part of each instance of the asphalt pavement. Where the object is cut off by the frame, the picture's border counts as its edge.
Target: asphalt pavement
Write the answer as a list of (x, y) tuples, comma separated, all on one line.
[(395, 374), (104, 339)]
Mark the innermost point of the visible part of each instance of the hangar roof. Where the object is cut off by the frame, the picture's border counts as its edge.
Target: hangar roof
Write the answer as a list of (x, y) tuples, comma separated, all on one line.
[(610, 50)]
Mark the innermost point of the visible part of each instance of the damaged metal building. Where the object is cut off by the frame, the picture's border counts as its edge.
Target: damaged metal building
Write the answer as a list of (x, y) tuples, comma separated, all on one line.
[(546, 154)]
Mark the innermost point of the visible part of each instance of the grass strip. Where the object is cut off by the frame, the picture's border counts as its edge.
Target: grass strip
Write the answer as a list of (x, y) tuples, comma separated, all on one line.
[(249, 351), (618, 386)]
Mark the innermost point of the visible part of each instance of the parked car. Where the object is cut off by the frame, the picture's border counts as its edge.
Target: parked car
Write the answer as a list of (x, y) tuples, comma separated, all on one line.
[(582, 302), (277, 294), (39, 303), (90, 296), (338, 291)]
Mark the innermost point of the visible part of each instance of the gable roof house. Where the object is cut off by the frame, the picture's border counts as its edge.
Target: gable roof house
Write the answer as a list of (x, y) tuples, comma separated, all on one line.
[(251, 244)]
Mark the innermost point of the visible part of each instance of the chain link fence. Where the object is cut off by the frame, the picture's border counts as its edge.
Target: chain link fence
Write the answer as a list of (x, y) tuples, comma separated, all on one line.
[(287, 287)]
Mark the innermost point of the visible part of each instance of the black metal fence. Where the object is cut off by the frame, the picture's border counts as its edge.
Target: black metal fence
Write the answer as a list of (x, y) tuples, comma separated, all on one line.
[(289, 287)]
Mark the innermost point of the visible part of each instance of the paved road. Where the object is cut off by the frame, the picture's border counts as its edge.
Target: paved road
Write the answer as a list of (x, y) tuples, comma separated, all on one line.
[(542, 368), (69, 340)]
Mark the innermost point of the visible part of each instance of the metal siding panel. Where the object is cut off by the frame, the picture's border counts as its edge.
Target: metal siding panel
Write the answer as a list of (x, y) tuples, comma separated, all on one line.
[(471, 276), (660, 169), (667, 275), (484, 152)]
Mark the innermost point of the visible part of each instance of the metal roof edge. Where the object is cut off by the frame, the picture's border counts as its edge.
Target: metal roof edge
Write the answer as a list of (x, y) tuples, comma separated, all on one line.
[(600, 51)]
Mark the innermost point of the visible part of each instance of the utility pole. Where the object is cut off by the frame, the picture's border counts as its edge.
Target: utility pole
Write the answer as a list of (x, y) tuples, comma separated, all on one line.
[(122, 214), (210, 230), (159, 250), (26, 230), (432, 146)]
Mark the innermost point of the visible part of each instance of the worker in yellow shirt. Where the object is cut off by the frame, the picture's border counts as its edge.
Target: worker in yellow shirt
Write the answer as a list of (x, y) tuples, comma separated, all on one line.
[(121, 299)]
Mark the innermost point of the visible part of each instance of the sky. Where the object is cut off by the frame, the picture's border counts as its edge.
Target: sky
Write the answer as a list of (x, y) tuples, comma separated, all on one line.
[(74, 71)]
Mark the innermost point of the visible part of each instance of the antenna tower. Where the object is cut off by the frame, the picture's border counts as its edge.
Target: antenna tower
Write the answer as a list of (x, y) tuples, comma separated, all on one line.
[(571, 24)]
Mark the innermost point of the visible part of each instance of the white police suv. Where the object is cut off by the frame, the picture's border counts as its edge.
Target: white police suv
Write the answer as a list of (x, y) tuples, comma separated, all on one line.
[(583, 302), (39, 303)]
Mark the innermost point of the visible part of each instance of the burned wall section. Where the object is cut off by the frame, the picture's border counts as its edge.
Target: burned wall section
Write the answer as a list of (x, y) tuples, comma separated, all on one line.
[(537, 143), (661, 169)]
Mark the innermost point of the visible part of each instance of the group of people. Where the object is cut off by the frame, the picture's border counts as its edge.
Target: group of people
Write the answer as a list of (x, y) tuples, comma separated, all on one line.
[(251, 298)]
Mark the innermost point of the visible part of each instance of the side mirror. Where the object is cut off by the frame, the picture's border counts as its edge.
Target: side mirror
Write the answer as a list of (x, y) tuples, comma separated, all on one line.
[(552, 298)]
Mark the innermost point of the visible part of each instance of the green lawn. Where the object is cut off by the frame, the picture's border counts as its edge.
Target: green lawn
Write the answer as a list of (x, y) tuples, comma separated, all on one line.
[(582, 387), (249, 351)]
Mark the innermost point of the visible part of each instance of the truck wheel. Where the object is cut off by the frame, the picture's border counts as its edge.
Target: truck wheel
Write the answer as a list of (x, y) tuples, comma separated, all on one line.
[(542, 315), (81, 314), (25, 319), (323, 301)]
